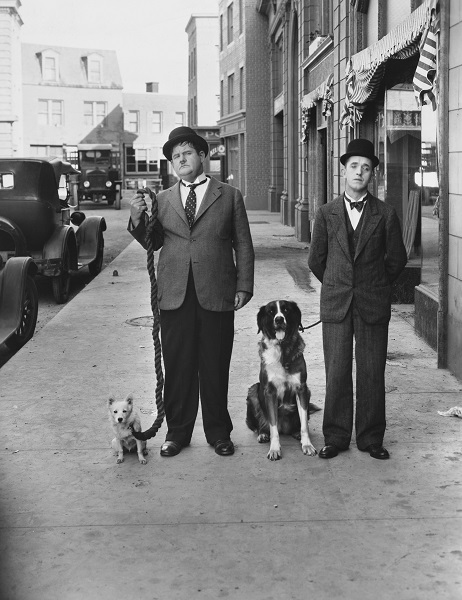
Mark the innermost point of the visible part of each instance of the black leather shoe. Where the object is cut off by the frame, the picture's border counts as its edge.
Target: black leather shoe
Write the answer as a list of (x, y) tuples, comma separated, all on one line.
[(224, 447), (377, 451), (170, 448), (329, 451)]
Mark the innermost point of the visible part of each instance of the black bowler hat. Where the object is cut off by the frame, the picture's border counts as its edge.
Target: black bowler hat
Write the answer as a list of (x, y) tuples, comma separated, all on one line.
[(184, 134), (360, 147)]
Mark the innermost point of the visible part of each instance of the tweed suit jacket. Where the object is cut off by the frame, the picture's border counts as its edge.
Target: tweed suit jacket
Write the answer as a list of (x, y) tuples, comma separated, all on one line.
[(218, 247), (368, 276)]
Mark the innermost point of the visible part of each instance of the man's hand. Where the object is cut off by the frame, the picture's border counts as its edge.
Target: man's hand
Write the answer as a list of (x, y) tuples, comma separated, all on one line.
[(138, 206), (241, 299)]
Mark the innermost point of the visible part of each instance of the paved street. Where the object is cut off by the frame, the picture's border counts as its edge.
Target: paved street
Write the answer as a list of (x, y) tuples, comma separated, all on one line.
[(116, 239), (75, 525)]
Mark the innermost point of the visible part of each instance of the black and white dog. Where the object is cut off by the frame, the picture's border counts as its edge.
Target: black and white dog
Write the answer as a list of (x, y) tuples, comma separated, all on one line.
[(280, 401)]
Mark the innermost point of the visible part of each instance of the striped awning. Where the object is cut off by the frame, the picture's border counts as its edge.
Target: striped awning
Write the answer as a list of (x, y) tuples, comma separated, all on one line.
[(323, 93), (365, 70)]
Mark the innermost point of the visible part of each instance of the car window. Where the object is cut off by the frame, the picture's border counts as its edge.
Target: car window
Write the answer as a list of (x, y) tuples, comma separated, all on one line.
[(6, 181)]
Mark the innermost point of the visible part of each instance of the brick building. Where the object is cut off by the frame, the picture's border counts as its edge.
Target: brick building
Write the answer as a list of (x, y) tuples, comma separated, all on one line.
[(204, 87), (245, 103)]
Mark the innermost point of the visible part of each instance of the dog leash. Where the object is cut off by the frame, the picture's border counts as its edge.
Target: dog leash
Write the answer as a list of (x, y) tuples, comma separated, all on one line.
[(302, 329), (151, 432)]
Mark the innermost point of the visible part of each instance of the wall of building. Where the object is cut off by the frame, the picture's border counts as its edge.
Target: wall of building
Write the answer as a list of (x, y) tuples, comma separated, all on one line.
[(208, 78), (10, 77), (73, 90), (145, 104), (455, 192), (258, 108), (245, 128)]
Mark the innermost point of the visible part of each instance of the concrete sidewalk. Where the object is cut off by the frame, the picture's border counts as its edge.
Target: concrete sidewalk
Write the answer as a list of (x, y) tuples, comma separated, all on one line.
[(75, 525)]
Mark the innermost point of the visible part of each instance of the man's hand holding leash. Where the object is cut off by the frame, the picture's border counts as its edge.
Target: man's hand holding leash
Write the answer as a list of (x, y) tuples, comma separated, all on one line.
[(138, 207)]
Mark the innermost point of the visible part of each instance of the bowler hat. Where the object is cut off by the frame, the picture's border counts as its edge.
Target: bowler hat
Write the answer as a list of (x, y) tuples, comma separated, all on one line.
[(184, 134), (360, 147)]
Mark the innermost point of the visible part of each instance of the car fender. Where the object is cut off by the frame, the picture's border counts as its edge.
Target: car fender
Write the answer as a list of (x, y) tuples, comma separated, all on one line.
[(87, 238), (16, 234), (13, 278), (62, 237)]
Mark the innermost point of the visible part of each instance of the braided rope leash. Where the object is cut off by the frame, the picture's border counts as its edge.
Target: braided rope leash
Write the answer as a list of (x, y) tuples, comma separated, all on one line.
[(151, 432)]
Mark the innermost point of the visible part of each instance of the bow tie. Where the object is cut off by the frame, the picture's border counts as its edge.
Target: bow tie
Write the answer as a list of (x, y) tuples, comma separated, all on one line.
[(358, 205)]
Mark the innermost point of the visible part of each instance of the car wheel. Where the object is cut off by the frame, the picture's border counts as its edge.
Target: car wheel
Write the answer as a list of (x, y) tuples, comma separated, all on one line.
[(28, 319), (96, 265), (62, 283)]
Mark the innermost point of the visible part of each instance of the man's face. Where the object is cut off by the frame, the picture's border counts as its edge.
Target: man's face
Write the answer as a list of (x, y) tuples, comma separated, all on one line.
[(187, 162), (358, 173)]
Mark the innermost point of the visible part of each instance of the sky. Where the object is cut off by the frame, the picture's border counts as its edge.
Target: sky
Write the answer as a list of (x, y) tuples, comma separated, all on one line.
[(148, 35)]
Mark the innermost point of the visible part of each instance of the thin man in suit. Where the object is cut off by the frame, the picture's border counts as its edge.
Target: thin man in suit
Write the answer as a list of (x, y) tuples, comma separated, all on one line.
[(205, 272), (357, 252)]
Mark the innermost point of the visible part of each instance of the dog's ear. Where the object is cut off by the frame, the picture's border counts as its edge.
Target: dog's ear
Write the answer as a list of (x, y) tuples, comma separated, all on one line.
[(261, 318), (130, 398), (111, 400), (297, 315)]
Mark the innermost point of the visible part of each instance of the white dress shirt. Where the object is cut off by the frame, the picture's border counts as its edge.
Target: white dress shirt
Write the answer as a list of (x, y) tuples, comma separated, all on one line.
[(355, 215), (200, 190)]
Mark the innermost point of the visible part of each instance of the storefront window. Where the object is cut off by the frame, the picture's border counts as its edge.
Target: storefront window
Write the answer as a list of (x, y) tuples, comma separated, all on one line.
[(427, 178), (407, 176)]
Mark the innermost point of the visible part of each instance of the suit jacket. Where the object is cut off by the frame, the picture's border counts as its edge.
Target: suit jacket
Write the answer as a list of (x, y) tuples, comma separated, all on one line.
[(367, 278), (218, 247)]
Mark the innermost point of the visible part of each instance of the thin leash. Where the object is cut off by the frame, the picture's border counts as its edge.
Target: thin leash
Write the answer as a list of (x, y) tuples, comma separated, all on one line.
[(151, 432), (302, 328)]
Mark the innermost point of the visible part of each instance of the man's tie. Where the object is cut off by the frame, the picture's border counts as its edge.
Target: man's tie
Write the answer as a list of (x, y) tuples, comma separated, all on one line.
[(190, 206), (358, 205)]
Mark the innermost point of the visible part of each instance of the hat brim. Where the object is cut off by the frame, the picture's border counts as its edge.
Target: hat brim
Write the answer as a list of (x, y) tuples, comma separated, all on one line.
[(196, 139), (345, 157)]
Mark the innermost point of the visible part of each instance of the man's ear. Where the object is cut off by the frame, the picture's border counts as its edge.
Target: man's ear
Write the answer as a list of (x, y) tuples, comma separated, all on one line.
[(343, 172)]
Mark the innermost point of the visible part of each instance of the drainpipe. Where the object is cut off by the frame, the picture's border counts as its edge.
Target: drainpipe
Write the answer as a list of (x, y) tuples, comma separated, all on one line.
[(443, 134)]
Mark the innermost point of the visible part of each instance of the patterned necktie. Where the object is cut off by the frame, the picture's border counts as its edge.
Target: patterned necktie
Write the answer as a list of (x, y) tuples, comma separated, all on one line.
[(190, 206)]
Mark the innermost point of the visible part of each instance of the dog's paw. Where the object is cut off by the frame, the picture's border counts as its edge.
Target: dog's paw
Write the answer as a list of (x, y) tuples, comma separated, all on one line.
[(263, 438), (143, 461), (274, 455), (120, 460), (309, 450)]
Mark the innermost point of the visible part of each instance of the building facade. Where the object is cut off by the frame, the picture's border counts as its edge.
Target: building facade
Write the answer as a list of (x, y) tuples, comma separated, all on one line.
[(73, 97), (10, 76), (204, 88), (148, 119), (244, 100)]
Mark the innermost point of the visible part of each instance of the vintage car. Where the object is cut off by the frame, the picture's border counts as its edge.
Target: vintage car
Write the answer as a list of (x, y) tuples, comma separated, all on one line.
[(38, 221), (99, 180), (18, 301)]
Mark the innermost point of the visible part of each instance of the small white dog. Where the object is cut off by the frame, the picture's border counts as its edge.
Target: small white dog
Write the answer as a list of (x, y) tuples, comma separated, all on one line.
[(123, 415)]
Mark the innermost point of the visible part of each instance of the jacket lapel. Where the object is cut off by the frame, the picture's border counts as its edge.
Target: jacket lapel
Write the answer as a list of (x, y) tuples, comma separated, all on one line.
[(371, 219), (339, 224), (212, 193), (175, 200)]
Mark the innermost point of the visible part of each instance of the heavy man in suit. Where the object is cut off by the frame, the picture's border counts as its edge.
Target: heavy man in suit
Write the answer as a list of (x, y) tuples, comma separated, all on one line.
[(357, 252), (205, 272)]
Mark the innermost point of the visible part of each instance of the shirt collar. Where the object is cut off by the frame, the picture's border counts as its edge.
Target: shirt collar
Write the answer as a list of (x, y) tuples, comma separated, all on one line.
[(350, 199), (198, 179)]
